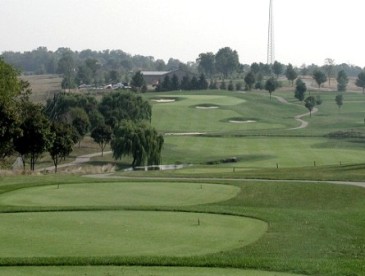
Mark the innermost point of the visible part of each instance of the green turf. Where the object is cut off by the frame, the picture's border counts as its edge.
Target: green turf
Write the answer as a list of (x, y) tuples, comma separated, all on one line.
[(262, 151), (120, 194), (133, 271), (183, 116), (124, 233)]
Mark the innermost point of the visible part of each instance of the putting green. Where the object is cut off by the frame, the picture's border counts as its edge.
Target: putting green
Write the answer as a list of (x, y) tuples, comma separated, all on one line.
[(120, 194), (124, 233), (133, 271)]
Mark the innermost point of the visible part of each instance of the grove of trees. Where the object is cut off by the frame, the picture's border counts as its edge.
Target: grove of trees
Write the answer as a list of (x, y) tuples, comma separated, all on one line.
[(29, 129)]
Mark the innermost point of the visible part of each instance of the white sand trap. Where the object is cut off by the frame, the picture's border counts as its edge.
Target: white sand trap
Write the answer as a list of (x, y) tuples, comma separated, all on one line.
[(164, 100), (242, 122), (206, 107), (184, 133)]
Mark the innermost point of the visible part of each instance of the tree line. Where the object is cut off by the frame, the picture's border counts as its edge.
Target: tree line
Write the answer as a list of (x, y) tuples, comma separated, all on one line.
[(29, 130), (113, 66)]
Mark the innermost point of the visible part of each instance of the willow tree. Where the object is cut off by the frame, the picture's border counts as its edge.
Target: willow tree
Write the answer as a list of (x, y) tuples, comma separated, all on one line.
[(138, 140)]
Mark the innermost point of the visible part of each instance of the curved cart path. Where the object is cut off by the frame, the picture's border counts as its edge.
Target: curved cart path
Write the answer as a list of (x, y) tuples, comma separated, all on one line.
[(78, 161), (303, 124)]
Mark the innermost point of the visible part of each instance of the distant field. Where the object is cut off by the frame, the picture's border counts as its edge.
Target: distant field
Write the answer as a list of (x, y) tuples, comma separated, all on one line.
[(43, 86)]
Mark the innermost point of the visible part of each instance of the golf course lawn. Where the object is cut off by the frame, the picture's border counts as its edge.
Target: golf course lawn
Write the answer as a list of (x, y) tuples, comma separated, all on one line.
[(120, 194), (132, 271), (262, 151), (124, 233)]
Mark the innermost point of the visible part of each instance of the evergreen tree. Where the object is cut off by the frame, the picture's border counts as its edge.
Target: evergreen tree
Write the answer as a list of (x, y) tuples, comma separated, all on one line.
[(342, 81), (291, 74), (300, 89)]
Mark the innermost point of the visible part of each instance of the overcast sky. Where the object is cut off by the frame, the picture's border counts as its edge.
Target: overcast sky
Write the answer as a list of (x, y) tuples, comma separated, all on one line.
[(306, 31)]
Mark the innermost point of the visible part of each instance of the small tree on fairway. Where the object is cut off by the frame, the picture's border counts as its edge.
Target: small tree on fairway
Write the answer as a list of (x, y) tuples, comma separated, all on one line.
[(310, 102), (339, 101), (300, 89), (342, 81), (270, 85), (360, 81), (319, 77), (102, 135)]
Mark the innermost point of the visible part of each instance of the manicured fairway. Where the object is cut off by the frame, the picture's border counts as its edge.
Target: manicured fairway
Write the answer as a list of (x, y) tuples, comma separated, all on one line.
[(184, 116), (120, 194), (263, 151), (133, 271), (124, 233)]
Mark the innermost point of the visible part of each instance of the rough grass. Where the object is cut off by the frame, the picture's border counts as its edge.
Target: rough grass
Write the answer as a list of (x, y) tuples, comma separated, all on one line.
[(132, 271)]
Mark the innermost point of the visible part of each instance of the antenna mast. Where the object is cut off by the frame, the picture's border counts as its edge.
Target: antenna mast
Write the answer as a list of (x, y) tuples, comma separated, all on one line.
[(270, 39)]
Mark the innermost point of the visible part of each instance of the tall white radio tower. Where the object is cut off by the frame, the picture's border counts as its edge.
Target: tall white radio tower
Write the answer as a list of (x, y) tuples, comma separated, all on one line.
[(270, 39)]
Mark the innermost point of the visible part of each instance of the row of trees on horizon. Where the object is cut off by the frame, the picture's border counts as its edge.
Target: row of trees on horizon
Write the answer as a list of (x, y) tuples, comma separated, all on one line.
[(113, 66)]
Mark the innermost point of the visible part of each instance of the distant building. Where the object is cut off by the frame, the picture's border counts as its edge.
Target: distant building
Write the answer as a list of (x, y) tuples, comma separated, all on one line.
[(154, 77)]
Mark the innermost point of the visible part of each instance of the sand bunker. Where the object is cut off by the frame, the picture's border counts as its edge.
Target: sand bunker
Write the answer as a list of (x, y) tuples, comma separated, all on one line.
[(164, 100), (242, 122), (206, 107), (184, 133)]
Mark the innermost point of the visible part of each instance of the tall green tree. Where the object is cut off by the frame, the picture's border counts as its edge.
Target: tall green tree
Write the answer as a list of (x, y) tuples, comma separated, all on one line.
[(319, 77), (300, 89), (226, 61), (102, 135), (202, 82), (137, 81), (360, 81), (12, 92), (255, 68), (339, 101), (66, 66), (342, 81), (270, 85), (277, 68), (206, 63), (80, 122), (175, 85), (61, 145), (291, 74), (118, 106), (36, 133), (250, 80)]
